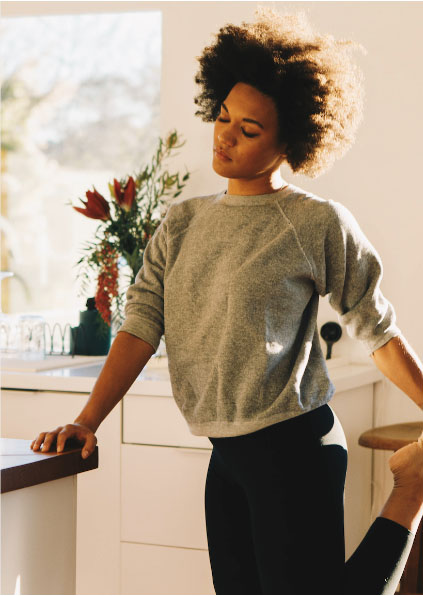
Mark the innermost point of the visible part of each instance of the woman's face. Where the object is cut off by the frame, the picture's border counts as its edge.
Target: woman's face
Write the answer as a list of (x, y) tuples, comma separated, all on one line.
[(246, 132)]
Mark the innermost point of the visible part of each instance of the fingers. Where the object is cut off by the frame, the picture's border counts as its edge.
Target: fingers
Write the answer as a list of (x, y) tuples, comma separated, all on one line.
[(46, 438), (50, 439), (61, 434), (35, 445), (89, 446)]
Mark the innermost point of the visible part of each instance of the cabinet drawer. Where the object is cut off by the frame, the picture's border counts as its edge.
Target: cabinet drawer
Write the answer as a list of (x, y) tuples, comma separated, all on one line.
[(157, 420), (162, 495), (149, 569)]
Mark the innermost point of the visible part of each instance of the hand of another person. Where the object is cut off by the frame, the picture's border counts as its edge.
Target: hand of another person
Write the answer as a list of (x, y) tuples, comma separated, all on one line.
[(82, 434)]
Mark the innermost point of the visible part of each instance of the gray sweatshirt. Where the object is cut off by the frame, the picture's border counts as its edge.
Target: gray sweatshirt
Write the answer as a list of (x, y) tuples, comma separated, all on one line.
[(233, 282)]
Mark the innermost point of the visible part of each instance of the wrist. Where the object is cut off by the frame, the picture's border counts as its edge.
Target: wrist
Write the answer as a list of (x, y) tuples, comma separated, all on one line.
[(86, 422)]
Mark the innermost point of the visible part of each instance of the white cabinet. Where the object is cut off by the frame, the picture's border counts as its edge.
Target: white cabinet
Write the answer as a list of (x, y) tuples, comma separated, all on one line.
[(162, 500), (164, 470), (35, 557), (27, 413), (151, 569), (163, 532), (163, 478), (157, 420), (140, 516)]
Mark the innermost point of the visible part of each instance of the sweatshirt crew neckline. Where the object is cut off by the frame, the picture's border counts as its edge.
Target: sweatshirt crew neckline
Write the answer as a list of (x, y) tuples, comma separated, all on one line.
[(264, 199)]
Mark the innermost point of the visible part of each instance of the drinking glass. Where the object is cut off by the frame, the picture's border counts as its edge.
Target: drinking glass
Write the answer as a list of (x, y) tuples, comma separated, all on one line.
[(31, 337), (8, 334)]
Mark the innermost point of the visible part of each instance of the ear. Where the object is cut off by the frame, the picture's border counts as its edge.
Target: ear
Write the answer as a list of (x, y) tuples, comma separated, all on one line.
[(282, 155), (283, 148)]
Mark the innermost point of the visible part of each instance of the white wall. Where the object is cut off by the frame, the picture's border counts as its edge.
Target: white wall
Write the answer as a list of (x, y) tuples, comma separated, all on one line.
[(378, 179)]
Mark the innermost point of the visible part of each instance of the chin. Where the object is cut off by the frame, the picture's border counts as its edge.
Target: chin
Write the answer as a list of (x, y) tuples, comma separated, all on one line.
[(221, 168), (218, 169)]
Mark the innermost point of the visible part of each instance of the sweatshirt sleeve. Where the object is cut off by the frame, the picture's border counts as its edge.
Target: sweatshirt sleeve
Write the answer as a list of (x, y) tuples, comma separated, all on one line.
[(144, 308), (350, 270)]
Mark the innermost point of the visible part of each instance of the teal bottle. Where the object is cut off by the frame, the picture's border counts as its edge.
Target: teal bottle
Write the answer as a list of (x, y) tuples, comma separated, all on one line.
[(93, 336)]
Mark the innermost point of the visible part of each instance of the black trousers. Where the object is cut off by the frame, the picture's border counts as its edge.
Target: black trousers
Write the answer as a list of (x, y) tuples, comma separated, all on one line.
[(274, 504)]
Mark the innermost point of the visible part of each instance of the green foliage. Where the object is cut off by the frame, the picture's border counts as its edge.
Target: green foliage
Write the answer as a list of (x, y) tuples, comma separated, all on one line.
[(129, 231)]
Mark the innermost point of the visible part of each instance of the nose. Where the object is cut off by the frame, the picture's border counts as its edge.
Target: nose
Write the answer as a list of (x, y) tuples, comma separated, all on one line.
[(225, 137)]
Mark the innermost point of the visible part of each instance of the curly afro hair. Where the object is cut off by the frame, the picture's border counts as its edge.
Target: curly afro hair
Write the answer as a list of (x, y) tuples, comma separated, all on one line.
[(317, 88)]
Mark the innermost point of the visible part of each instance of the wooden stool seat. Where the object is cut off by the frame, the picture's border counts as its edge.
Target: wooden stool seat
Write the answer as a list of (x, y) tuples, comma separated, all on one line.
[(391, 438)]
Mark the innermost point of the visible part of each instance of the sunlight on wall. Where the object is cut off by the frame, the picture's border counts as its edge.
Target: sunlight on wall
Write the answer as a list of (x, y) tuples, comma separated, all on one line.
[(18, 585)]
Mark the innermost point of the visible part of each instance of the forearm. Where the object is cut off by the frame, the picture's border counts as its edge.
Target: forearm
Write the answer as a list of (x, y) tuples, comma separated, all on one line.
[(401, 365), (127, 357)]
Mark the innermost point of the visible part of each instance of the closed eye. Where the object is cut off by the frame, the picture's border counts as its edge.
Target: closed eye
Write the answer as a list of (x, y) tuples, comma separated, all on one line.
[(243, 131)]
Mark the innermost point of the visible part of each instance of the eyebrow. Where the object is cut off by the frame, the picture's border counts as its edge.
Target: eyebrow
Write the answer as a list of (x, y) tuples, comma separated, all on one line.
[(246, 119)]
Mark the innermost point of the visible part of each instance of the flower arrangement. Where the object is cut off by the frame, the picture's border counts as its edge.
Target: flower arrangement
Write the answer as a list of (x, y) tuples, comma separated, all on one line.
[(127, 222)]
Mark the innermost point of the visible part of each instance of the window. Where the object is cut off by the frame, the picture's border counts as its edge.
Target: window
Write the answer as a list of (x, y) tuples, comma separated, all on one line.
[(80, 106)]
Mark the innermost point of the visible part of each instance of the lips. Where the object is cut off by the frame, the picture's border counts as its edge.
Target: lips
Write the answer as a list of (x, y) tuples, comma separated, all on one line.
[(222, 154)]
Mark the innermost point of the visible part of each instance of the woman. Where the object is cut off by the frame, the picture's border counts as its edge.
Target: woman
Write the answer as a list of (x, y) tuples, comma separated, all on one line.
[(235, 278)]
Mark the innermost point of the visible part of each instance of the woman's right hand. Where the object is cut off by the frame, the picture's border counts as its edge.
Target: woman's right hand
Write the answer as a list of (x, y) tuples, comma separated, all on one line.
[(82, 434)]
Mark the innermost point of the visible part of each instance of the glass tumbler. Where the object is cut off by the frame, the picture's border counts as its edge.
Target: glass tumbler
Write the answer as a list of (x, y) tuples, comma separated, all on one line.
[(31, 337), (8, 334)]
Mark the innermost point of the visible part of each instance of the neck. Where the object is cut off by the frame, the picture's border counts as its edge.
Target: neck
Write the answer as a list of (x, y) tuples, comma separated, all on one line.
[(256, 186)]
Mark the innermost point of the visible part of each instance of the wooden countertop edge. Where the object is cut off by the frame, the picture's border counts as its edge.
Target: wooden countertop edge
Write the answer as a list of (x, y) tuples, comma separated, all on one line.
[(50, 467)]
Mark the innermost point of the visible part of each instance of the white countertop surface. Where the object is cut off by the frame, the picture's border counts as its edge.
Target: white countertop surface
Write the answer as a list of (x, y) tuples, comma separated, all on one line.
[(13, 364), (154, 379)]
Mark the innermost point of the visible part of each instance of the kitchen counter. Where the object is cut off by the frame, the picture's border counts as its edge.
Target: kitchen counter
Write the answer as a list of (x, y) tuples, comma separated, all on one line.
[(155, 380), (39, 518), (150, 459), (21, 467)]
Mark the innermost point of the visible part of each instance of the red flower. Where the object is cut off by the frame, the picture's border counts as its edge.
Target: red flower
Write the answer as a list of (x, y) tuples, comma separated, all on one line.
[(126, 197), (118, 191), (107, 283), (96, 206)]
